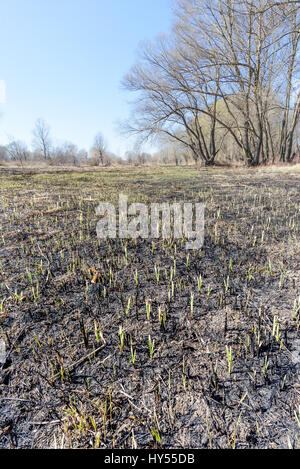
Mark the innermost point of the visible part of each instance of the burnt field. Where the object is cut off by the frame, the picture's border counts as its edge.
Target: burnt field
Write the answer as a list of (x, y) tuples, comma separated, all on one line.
[(141, 343)]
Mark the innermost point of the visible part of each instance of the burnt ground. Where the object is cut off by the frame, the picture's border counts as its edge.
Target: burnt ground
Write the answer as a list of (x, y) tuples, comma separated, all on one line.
[(140, 343)]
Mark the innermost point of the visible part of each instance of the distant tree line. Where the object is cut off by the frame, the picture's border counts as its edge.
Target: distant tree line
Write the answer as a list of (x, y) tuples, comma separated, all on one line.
[(43, 150), (224, 84)]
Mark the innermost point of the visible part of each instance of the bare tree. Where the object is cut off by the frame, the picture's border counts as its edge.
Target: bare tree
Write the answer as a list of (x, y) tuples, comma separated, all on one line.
[(99, 149), (82, 156), (291, 110), (254, 44), (18, 151), (68, 153), (168, 103), (226, 60), (42, 141)]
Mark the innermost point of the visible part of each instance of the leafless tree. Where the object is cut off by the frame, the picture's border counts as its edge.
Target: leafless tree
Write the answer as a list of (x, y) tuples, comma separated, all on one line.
[(255, 45), (168, 103), (99, 149), (18, 151), (42, 141), (291, 111), (227, 61), (68, 154), (82, 156)]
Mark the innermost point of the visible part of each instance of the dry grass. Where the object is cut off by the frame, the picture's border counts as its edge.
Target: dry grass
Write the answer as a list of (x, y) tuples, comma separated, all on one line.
[(212, 361)]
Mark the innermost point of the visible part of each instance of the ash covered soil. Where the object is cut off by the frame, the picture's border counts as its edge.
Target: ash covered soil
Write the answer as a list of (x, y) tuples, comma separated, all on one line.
[(141, 343)]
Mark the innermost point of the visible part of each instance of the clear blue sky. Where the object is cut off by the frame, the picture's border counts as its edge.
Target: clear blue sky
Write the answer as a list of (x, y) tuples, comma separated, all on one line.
[(63, 61)]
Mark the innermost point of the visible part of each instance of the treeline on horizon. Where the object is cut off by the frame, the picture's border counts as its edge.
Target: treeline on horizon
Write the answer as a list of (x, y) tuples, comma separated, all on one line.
[(44, 151)]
